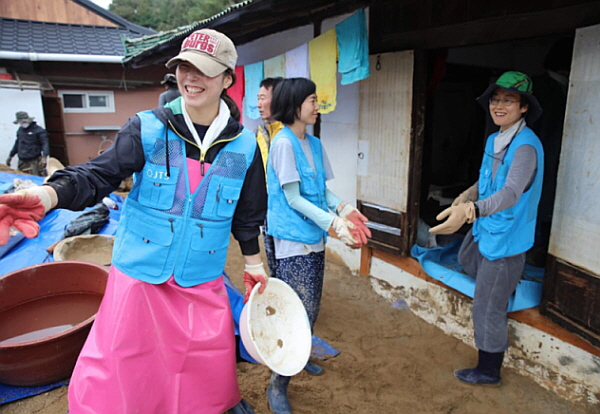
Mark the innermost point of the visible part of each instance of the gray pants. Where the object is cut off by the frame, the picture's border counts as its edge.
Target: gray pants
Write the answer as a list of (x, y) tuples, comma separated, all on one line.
[(495, 281)]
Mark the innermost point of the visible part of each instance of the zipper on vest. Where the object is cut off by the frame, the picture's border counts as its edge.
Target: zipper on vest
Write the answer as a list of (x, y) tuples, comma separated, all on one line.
[(218, 191), (171, 222), (203, 153), (201, 230)]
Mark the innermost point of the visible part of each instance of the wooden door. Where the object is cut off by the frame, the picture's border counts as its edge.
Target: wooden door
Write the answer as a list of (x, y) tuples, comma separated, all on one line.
[(391, 110), (55, 125), (571, 295)]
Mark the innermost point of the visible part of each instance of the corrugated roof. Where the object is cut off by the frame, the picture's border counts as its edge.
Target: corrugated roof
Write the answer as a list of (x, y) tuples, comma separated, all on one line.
[(242, 22), (42, 37), (135, 47)]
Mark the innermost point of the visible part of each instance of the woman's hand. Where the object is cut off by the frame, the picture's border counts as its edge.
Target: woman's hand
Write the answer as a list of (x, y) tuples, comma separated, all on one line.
[(253, 274)]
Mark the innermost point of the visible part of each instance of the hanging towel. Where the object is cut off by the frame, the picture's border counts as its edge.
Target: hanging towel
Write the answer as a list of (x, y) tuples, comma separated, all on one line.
[(353, 47), (253, 74), (237, 90), (296, 62), (322, 51), (275, 67)]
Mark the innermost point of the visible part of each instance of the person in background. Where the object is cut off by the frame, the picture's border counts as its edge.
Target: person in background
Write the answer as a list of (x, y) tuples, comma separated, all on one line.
[(264, 134), (502, 205), (301, 209), (163, 339), (31, 146), (171, 90)]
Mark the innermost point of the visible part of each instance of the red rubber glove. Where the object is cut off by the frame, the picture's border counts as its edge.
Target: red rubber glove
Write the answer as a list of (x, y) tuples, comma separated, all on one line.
[(254, 274), (360, 231), (23, 210)]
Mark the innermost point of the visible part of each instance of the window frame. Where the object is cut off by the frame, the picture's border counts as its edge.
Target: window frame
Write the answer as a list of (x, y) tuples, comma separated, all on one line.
[(110, 99)]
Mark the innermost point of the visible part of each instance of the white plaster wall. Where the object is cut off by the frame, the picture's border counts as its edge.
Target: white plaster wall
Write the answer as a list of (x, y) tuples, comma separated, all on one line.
[(12, 101), (339, 134)]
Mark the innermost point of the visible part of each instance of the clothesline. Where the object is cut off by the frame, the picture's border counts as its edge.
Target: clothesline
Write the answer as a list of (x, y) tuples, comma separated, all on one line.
[(342, 49)]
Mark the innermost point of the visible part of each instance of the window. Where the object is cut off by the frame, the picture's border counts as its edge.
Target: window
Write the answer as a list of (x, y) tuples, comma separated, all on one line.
[(88, 101)]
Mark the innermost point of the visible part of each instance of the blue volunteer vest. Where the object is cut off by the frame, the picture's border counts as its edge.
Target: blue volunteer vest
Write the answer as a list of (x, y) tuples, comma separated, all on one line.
[(166, 230), (283, 222), (512, 230)]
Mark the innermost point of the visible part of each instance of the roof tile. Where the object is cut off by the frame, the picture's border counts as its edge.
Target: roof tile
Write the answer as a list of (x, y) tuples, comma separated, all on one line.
[(43, 37)]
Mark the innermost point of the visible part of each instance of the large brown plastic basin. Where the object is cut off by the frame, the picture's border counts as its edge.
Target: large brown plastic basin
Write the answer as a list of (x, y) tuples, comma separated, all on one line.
[(46, 312)]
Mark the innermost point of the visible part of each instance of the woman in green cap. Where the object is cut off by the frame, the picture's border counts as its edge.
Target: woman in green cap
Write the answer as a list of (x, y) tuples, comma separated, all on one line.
[(502, 205)]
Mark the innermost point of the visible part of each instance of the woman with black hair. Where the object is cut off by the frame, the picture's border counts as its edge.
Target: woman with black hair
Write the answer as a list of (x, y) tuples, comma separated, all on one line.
[(299, 209), (502, 205)]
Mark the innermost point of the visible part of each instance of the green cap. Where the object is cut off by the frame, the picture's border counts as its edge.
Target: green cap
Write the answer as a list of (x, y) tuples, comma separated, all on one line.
[(515, 80)]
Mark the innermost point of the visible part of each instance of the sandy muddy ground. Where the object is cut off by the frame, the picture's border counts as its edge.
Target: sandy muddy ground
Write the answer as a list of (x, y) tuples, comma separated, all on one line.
[(391, 362)]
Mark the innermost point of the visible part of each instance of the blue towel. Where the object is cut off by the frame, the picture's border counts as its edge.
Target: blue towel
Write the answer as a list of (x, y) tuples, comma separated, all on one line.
[(441, 263), (253, 74), (353, 48)]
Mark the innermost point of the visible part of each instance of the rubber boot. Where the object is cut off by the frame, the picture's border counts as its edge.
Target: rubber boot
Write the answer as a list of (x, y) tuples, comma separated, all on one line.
[(243, 407), (487, 371), (277, 394), (312, 368)]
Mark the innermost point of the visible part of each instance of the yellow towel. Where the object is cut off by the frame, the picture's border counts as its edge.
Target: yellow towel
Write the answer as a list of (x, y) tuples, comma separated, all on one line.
[(323, 68)]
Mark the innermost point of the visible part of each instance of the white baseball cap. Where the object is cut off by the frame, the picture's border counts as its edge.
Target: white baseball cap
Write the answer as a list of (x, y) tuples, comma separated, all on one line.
[(211, 52)]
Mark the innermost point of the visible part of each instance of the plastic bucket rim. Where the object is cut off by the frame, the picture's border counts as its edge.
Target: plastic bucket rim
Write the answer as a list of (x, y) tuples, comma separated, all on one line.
[(266, 361)]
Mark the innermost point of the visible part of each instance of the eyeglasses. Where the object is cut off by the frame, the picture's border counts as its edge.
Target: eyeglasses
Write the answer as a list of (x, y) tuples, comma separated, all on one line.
[(505, 102)]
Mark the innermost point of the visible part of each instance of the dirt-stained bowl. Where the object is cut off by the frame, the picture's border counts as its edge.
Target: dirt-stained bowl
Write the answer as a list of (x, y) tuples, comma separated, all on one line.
[(94, 248), (46, 312), (275, 330)]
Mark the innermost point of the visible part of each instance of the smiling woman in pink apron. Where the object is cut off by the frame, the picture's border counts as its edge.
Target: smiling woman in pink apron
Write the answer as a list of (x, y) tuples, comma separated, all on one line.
[(163, 340)]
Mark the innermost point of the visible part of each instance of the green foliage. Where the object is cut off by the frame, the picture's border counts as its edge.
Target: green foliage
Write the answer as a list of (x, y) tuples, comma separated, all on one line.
[(165, 15)]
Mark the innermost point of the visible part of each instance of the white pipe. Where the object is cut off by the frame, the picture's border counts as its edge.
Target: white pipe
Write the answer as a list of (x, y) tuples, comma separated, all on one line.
[(59, 57)]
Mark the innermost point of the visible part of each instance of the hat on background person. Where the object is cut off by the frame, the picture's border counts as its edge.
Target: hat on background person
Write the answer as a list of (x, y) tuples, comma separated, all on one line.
[(22, 116), (517, 82), (209, 51), (170, 79)]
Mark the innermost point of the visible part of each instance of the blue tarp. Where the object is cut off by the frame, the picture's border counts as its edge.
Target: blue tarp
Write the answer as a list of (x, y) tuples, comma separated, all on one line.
[(441, 263)]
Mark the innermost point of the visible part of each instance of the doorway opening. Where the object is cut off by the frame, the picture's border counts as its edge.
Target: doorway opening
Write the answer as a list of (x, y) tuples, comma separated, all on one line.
[(456, 126)]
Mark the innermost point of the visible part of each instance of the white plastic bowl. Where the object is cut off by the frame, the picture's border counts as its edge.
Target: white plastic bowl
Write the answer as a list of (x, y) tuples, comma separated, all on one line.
[(275, 330)]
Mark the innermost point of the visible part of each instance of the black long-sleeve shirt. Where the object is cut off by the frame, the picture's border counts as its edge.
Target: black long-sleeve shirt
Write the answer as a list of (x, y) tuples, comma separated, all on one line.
[(84, 185)]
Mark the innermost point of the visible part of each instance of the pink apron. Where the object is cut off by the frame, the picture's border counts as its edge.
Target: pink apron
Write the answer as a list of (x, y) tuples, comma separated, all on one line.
[(158, 349)]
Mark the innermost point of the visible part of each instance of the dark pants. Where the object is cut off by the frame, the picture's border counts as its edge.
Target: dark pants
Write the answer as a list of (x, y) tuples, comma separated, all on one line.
[(495, 281), (269, 251), (32, 167)]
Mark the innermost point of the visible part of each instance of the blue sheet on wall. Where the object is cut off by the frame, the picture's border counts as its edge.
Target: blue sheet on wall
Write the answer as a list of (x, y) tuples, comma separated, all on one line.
[(441, 263)]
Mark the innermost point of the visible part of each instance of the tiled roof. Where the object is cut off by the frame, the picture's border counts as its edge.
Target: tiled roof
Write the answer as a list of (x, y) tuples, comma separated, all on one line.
[(42, 37)]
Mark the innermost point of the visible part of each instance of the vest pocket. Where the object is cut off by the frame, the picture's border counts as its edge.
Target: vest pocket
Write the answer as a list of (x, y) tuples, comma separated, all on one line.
[(145, 245), (208, 251), (308, 181), (228, 200), (157, 190)]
